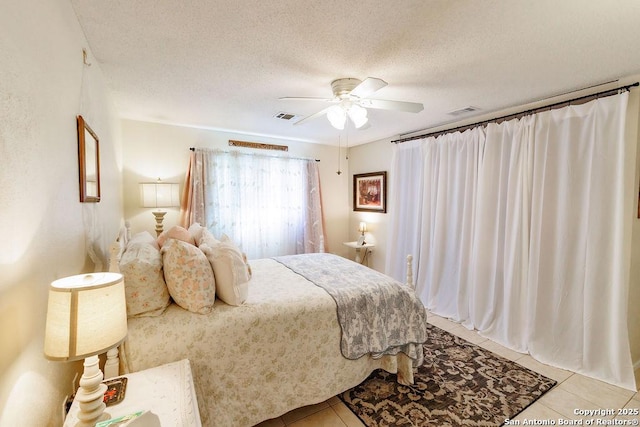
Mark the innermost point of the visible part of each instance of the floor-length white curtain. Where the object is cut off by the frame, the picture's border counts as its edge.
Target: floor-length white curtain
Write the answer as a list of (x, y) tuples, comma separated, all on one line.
[(498, 278), (448, 199), (530, 251), (405, 195), (576, 269), (268, 205)]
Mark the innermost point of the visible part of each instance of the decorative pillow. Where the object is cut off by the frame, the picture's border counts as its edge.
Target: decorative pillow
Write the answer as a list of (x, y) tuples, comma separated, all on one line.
[(189, 276), (196, 230), (206, 237), (230, 269), (145, 289), (175, 232), (143, 237)]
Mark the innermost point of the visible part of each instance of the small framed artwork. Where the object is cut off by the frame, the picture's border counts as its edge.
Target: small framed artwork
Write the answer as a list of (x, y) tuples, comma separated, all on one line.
[(370, 192), (116, 389)]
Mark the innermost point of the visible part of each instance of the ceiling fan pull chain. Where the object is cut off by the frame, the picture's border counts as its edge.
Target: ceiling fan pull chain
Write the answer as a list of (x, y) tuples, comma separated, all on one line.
[(339, 171)]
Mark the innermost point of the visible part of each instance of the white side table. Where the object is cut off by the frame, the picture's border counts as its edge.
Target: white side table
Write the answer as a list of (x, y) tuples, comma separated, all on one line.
[(360, 257), (166, 390)]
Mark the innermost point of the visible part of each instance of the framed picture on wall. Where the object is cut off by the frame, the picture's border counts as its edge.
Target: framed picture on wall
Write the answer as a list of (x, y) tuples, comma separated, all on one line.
[(370, 192), (88, 162)]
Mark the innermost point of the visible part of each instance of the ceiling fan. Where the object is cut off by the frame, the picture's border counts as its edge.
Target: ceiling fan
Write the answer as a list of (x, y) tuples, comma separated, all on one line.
[(351, 99)]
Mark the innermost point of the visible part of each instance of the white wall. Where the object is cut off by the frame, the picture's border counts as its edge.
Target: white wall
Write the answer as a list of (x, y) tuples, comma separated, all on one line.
[(42, 223), (154, 151), (372, 157)]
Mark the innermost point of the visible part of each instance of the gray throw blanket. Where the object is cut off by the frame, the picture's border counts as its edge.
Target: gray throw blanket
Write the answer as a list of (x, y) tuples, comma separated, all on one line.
[(377, 314)]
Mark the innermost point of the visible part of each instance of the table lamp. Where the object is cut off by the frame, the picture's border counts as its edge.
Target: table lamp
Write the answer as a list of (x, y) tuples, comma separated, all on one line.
[(159, 195), (86, 316), (362, 228)]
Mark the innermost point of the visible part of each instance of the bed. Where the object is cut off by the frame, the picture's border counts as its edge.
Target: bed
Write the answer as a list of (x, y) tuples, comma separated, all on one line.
[(283, 347)]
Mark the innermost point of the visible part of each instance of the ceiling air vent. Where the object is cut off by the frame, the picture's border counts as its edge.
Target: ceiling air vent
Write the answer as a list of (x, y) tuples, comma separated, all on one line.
[(465, 110), (285, 116)]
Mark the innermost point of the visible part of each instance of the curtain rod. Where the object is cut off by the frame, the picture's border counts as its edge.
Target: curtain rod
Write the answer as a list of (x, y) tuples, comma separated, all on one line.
[(283, 157), (574, 101)]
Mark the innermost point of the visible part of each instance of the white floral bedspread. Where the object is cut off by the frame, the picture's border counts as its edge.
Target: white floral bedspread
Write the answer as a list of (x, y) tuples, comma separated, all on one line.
[(377, 314), (278, 351)]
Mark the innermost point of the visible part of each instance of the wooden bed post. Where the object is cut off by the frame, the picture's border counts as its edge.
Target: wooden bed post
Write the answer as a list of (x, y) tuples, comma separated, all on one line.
[(410, 272), (112, 365)]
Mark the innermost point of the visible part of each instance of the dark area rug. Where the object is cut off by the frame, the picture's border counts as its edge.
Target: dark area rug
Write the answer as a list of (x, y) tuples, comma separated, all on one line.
[(459, 384)]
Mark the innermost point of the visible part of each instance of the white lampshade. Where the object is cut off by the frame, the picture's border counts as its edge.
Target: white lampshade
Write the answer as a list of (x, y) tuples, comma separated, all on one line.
[(362, 227), (86, 316), (159, 194), (337, 116), (358, 115)]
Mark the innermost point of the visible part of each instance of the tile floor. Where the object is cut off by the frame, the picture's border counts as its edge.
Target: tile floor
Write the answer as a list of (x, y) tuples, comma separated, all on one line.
[(573, 391)]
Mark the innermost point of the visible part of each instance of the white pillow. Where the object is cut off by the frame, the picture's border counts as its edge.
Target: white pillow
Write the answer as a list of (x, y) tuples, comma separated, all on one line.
[(230, 269), (144, 286), (189, 276), (143, 237), (196, 230), (206, 237)]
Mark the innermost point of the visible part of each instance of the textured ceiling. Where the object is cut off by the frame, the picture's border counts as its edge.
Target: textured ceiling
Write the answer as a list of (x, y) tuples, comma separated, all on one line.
[(224, 64)]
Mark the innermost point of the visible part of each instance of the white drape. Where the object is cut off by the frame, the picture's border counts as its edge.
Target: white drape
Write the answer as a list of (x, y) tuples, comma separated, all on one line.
[(268, 205), (525, 243)]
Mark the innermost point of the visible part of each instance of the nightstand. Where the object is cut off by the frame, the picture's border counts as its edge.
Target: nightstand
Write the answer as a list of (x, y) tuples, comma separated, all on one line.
[(360, 257), (166, 390)]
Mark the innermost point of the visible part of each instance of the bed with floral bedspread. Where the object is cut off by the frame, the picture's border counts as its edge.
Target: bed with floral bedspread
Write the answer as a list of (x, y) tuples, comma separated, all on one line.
[(279, 350)]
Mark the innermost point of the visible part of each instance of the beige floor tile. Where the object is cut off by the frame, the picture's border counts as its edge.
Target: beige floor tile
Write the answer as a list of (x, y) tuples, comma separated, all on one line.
[(347, 417), (335, 400), (538, 411), (466, 334), (631, 411), (442, 323), (566, 404), (501, 350), (557, 374), (275, 422), (600, 393), (305, 411), (324, 418)]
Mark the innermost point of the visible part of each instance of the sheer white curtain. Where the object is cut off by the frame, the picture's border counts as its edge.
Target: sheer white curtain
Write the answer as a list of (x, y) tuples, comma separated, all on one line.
[(268, 205), (530, 251)]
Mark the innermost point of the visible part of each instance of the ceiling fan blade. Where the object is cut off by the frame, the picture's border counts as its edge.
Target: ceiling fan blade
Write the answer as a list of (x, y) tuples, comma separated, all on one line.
[(304, 98), (383, 104), (368, 87), (313, 116)]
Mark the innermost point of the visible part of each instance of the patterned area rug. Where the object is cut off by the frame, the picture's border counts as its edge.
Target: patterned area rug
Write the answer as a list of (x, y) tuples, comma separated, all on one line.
[(459, 384)]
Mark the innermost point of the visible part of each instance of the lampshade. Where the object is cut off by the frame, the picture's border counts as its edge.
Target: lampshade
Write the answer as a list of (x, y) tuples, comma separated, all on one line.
[(159, 194), (337, 116), (86, 316), (362, 227), (358, 115)]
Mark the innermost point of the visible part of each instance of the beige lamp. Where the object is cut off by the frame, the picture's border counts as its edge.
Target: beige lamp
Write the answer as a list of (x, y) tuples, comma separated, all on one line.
[(159, 195), (86, 316)]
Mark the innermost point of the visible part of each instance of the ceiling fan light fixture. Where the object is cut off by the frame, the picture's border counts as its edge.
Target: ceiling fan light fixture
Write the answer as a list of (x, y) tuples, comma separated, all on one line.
[(358, 115), (337, 116)]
